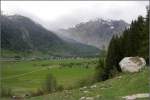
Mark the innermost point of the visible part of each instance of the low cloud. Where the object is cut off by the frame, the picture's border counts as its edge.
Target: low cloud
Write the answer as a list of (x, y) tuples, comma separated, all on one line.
[(64, 14)]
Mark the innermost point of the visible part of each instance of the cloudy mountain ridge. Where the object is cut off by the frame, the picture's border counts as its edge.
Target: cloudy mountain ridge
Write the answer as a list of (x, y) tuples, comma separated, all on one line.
[(21, 34), (95, 32)]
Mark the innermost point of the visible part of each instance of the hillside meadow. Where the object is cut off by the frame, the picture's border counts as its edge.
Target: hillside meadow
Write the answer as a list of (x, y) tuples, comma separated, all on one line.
[(122, 85)]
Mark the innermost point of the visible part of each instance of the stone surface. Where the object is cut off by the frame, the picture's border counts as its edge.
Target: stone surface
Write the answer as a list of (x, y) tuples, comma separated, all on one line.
[(132, 64), (93, 86), (86, 98), (137, 96), (97, 96), (82, 98), (83, 88), (89, 98), (85, 91)]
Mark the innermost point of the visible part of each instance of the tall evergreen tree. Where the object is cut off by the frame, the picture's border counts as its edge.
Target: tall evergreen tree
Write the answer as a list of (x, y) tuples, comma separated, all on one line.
[(133, 42), (144, 51)]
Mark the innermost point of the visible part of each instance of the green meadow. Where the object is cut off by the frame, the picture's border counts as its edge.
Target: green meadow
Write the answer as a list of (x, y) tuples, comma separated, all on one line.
[(112, 89), (25, 76)]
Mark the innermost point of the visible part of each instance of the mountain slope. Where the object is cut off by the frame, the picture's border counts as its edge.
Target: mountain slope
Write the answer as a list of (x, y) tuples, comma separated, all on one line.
[(96, 33), (21, 34)]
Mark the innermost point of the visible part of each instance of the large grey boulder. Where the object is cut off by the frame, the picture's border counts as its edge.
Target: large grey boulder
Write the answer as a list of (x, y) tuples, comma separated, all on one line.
[(132, 64)]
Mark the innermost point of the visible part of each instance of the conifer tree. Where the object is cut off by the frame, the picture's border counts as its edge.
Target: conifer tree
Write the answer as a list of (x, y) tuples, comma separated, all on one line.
[(133, 42)]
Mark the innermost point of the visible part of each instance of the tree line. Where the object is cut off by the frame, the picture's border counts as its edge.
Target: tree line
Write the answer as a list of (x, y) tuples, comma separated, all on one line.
[(133, 42)]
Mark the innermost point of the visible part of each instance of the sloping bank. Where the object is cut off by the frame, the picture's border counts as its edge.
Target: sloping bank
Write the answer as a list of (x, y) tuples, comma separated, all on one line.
[(112, 89)]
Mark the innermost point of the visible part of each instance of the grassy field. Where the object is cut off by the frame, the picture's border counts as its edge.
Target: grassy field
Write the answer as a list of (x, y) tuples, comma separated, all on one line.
[(25, 76), (112, 89)]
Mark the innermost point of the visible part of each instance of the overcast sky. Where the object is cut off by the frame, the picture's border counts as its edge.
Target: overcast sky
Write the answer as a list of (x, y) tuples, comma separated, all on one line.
[(63, 14)]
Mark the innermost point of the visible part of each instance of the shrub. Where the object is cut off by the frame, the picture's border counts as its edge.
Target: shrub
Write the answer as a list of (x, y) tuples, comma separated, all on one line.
[(100, 70), (114, 72), (44, 65), (70, 65), (6, 92), (86, 81), (17, 57), (37, 92), (50, 84), (60, 88), (86, 66)]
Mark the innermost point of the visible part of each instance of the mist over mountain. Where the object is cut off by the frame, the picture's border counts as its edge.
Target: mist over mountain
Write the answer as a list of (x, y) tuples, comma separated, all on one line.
[(21, 34), (94, 32)]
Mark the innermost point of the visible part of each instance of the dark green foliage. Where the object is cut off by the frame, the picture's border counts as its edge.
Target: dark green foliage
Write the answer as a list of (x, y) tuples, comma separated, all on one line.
[(37, 92), (133, 42), (134, 37), (50, 84), (113, 57), (86, 81), (99, 75), (145, 43), (6, 92), (60, 88), (17, 57)]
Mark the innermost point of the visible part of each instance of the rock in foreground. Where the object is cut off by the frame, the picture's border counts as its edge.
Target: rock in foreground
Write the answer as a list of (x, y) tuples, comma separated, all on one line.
[(137, 96), (132, 64)]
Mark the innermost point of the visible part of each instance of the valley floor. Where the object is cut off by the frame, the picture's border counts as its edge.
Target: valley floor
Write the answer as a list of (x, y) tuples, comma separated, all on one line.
[(113, 89), (26, 76)]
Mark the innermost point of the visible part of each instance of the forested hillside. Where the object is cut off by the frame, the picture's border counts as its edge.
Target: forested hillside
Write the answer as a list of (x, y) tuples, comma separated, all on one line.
[(133, 42), (21, 34)]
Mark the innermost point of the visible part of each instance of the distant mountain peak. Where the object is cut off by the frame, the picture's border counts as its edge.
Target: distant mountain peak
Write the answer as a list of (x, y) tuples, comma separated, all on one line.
[(96, 32)]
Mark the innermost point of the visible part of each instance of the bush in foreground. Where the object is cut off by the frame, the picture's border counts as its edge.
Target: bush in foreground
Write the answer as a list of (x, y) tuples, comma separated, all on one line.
[(6, 92), (50, 84), (86, 81), (100, 70), (38, 92)]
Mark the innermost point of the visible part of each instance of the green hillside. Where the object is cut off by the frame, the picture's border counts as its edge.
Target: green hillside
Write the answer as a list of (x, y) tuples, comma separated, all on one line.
[(22, 36), (112, 89)]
